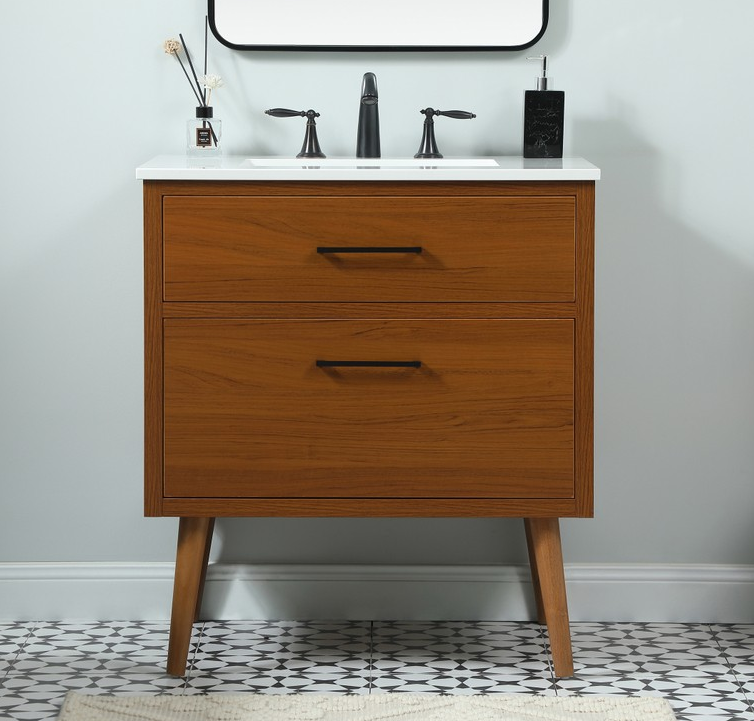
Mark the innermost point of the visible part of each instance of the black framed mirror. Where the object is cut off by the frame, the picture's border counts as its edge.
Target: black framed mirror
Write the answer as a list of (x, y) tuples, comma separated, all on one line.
[(397, 25)]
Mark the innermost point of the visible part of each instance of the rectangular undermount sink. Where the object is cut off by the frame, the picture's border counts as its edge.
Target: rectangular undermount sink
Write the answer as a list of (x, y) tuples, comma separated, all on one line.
[(371, 163)]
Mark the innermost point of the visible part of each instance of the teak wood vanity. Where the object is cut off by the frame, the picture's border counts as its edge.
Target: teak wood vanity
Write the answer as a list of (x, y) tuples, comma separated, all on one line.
[(369, 348)]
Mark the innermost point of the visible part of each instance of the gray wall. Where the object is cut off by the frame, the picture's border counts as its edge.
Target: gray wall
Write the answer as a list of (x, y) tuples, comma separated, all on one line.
[(657, 95)]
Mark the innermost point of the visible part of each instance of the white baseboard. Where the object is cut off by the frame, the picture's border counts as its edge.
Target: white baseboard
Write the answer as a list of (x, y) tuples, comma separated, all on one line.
[(142, 591)]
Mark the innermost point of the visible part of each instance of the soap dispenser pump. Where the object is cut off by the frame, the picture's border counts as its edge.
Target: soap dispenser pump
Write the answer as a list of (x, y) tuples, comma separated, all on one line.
[(544, 111)]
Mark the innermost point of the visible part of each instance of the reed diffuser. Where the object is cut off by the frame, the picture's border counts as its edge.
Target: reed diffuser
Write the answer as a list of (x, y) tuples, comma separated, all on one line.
[(204, 131)]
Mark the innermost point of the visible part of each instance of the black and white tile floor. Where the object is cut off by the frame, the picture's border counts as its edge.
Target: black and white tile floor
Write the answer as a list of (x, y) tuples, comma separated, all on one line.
[(706, 671)]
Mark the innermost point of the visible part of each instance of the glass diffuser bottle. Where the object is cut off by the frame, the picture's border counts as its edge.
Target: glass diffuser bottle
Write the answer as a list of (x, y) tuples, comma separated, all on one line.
[(204, 134)]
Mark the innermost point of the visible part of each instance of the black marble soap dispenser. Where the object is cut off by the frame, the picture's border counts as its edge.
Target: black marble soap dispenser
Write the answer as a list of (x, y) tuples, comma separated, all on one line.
[(544, 111)]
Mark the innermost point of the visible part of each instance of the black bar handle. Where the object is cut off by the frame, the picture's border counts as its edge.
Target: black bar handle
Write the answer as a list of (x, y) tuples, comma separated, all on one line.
[(370, 249), (367, 364), (285, 113), (457, 114)]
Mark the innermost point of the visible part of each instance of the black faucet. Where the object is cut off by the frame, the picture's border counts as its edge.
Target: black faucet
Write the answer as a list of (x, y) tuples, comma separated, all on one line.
[(368, 134)]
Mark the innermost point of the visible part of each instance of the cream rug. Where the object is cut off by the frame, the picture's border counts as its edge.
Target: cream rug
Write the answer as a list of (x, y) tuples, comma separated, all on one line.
[(377, 707)]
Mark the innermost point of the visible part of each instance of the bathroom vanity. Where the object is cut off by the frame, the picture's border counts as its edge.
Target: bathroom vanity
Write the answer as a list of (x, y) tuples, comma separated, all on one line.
[(382, 340)]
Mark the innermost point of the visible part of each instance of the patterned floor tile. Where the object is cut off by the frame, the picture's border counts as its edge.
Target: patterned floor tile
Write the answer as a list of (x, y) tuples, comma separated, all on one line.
[(697, 695), (13, 636), (452, 657), (277, 682), (736, 635), (737, 644), (643, 648), (681, 662), (263, 646), (705, 671), (461, 683), (282, 657), (34, 697), (95, 649)]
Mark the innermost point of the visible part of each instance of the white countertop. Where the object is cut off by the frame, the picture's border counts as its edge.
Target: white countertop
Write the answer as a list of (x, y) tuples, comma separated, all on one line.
[(237, 167)]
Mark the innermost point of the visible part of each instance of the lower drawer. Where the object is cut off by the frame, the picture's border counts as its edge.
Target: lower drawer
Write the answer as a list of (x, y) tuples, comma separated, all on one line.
[(433, 408)]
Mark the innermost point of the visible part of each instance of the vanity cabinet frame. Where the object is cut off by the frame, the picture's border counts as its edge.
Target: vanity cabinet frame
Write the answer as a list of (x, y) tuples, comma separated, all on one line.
[(540, 514)]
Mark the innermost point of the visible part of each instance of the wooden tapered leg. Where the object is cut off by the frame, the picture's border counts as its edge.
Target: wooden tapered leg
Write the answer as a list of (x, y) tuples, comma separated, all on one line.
[(205, 563), (193, 541), (548, 566), (534, 575)]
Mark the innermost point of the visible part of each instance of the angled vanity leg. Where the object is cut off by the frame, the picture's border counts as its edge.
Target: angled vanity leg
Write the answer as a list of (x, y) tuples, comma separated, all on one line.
[(548, 566), (534, 575), (190, 566), (205, 563)]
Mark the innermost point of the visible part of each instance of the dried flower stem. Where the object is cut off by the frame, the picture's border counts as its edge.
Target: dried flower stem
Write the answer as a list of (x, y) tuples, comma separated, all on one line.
[(193, 72)]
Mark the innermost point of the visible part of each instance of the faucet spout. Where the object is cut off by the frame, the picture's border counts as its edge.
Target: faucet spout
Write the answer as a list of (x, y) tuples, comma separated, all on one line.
[(368, 133)]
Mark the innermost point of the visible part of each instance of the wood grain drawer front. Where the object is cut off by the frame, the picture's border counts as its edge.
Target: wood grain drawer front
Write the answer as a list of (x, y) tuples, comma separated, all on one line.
[(266, 248), (488, 414)]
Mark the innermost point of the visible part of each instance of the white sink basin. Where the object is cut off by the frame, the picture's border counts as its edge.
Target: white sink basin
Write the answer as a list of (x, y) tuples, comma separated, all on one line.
[(371, 163)]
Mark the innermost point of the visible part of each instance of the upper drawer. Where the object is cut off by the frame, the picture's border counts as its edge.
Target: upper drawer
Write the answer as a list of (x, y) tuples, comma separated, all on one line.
[(259, 248)]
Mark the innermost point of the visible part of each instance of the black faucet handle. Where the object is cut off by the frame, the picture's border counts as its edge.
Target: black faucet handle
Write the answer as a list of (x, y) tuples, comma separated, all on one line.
[(457, 114), (286, 113)]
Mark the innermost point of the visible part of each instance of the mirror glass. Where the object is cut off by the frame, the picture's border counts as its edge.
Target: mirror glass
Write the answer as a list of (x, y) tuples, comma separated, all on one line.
[(378, 24)]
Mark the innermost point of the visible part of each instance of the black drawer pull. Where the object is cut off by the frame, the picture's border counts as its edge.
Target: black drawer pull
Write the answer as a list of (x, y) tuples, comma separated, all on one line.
[(367, 364), (370, 249)]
